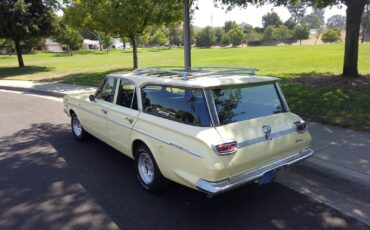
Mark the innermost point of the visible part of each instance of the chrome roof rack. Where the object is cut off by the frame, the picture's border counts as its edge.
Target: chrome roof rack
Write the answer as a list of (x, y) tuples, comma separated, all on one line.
[(197, 71)]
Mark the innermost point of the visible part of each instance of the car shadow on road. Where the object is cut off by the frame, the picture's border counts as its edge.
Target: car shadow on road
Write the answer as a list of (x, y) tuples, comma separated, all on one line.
[(49, 180)]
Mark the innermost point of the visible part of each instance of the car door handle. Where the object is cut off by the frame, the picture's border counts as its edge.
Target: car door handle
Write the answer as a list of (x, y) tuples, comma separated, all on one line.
[(129, 120), (104, 111)]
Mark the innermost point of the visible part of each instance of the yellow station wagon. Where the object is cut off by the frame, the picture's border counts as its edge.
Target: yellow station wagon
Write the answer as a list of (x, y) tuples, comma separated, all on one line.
[(211, 129)]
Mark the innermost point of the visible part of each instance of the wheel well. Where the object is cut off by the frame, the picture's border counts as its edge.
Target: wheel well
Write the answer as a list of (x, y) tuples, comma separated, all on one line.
[(71, 112), (136, 144)]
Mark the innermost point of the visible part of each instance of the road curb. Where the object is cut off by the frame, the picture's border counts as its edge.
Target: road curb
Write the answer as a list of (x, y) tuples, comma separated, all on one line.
[(34, 91), (335, 176)]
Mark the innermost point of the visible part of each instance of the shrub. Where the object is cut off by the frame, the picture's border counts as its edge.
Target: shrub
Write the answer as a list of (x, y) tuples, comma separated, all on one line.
[(330, 36), (206, 37)]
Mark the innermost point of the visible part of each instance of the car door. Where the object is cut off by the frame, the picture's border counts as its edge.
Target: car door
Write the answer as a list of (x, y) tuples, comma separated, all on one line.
[(97, 120), (123, 115)]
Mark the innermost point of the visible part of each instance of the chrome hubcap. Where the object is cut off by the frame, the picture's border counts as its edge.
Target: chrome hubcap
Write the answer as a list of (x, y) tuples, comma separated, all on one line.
[(76, 125), (146, 168)]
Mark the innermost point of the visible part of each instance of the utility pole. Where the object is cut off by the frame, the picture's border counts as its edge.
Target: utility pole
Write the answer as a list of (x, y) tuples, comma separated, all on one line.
[(187, 45)]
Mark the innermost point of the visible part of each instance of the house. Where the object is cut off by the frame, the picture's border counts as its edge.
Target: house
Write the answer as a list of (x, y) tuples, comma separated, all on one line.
[(52, 46), (88, 44), (117, 44)]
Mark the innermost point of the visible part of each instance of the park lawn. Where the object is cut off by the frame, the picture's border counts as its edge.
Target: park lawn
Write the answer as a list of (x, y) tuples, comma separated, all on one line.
[(343, 107)]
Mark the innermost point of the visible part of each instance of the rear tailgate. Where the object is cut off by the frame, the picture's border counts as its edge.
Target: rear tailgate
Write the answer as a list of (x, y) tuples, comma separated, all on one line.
[(255, 148)]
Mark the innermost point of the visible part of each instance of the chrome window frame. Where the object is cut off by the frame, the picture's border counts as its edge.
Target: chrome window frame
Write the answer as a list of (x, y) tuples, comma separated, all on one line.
[(180, 87), (102, 84), (212, 104), (135, 92)]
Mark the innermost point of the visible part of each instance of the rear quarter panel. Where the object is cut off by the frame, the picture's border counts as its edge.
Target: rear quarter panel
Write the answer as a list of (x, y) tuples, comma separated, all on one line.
[(182, 152)]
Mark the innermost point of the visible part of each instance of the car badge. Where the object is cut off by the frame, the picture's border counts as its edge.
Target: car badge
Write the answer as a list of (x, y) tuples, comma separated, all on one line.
[(267, 131)]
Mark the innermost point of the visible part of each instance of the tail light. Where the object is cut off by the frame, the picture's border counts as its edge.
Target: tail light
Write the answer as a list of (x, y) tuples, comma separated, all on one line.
[(301, 126), (226, 148)]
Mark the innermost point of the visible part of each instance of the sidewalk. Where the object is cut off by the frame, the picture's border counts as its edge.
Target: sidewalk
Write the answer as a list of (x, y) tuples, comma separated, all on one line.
[(46, 88), (343, 151)]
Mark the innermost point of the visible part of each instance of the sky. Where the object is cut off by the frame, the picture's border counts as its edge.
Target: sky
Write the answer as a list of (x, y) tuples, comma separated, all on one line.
[(209, 15)]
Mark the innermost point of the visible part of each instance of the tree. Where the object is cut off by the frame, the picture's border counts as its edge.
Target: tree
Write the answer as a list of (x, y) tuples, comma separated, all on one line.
[(253, 37), (355, 9), (268, 34), (25, 19), (229, 25), (159, 38), (206, 37), (297, 9), (246, 27), (123, 18), (271, 19), (316, 21), (219, 32), (174, 35), (301, 32), (236, 36), (336, 21), (312, 21), (225, 40), (319, 13), (69, 37), (365, 23), (106, 40), (290, 23), (6, 46), (33, 43), (330, 35), (282, 34)]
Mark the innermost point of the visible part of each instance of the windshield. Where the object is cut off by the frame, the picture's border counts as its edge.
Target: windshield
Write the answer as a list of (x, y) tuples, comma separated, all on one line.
[(240, 103)]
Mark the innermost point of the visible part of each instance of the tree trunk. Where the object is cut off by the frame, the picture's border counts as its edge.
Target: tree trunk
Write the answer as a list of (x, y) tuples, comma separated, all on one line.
[(354, 14), (19, 53), (134, 51), (99, 42)]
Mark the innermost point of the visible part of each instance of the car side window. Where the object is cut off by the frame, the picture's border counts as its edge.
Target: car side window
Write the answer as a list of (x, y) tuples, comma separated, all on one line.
[(107, 90), (127, 95), (183, 105)]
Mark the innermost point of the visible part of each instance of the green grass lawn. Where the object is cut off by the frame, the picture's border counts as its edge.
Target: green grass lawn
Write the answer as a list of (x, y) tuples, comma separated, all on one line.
[(344, 107)]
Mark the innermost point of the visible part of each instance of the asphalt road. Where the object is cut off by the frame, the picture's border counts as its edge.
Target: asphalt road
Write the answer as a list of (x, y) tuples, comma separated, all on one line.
[(48, 180)]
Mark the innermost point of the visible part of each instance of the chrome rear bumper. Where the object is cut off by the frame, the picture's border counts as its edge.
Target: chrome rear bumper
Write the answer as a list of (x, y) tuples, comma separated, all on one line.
[(213, 188)]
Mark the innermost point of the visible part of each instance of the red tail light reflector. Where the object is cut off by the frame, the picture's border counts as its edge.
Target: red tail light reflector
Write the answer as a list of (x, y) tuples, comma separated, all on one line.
[(226, 148), (301, 126)]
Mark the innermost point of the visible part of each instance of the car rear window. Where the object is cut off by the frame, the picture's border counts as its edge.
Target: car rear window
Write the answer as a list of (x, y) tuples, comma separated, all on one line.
[(234, 104), (184, 105)]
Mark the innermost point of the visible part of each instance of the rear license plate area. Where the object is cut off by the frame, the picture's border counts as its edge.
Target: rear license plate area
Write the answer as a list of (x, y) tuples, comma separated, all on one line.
[(267, 178)]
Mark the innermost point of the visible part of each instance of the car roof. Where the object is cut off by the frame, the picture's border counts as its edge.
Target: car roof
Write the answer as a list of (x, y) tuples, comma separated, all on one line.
[(199, 78)]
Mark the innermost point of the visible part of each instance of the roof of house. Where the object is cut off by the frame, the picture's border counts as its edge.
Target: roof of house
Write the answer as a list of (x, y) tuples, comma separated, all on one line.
[(200, 77)]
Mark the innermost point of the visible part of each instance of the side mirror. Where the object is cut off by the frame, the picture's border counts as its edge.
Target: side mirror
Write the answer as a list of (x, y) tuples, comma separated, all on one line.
[(92, 98)]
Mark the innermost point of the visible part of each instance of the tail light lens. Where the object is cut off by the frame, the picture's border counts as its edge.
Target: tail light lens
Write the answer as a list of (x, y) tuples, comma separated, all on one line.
[(301, 126), (226, 148)]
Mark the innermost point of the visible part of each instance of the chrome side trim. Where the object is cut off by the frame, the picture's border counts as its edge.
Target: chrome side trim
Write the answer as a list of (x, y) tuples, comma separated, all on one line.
[(262, 139), (120, 124), (142, 132), (86, 110), (169, 143), (252, 175)]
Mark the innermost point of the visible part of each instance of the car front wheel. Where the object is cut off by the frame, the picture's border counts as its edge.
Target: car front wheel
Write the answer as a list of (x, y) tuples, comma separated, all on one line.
[(148, 173), (77, 130)]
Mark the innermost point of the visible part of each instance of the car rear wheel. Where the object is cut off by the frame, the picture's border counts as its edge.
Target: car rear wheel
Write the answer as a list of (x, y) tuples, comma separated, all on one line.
[(77, 130), (148, 173)]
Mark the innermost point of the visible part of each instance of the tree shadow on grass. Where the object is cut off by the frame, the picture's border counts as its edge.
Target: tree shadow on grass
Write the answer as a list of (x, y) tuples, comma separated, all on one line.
[(88, 78), (16, 71), (77, 53), (303, 74)]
